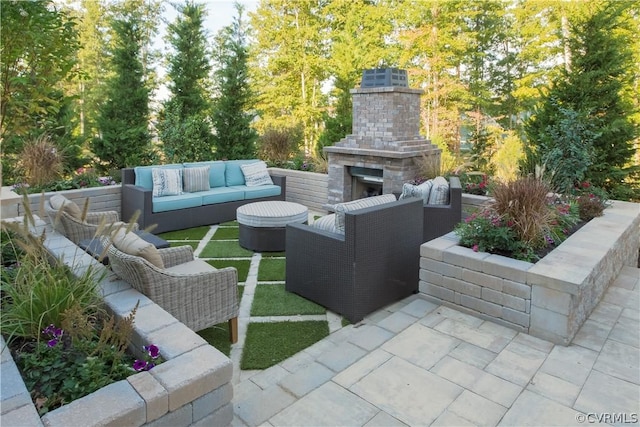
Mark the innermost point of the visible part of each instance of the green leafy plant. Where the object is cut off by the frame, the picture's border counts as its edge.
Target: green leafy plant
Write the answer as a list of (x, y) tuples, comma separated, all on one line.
[(277, 146)]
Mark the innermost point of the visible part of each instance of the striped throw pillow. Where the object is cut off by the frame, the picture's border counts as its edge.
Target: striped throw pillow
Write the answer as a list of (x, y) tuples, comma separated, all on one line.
[(195, 179), (166, 182), (256, 174), (439, 192), (326, 223), (341, 208), (423, 191)]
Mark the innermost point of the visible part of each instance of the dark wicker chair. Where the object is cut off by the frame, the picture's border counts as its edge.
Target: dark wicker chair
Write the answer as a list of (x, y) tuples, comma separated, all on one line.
[(375, 263), (441, 219)]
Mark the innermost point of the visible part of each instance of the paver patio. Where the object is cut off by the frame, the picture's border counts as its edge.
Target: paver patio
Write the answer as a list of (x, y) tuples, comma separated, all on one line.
[(416, 363)]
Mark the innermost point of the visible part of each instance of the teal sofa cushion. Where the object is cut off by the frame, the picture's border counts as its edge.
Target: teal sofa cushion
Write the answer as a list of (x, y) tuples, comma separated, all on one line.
[(216, 172), (221, 195), (233, 173), (144, 177), (260, 191), (171, 203)]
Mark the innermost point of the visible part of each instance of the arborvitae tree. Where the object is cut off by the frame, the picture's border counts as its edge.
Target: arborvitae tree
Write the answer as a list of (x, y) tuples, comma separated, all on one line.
[(123, 119), (232, 114), (184, 128), (594, 86), (38, 43)]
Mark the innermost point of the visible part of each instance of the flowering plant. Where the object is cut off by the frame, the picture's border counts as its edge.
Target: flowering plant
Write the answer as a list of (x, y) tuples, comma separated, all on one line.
[(522, 222), (151, 358)]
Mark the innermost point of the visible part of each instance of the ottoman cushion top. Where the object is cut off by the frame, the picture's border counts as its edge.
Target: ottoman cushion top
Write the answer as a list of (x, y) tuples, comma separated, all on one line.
[(272, 214)]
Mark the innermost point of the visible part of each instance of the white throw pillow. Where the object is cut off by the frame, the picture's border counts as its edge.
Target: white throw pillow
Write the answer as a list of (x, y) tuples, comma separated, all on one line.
[(341, 208), (256, 174), (422, 190), (195, 179), (130, 243), (439, 192), (166, 182)]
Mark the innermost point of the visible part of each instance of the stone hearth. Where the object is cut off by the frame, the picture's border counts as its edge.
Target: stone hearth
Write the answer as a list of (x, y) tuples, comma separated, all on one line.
[(386, 137)]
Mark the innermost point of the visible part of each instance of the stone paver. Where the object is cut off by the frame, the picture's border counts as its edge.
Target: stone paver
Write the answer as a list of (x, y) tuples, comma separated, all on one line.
[(422, 364)]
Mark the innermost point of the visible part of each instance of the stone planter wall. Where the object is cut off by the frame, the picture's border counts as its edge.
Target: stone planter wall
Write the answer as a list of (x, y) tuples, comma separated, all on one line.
[(549, 299), (192, 387)]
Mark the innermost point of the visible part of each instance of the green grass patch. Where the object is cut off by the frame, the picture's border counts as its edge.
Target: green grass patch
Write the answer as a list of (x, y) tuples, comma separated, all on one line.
[(274, 300), (226, 233), (268, 344), (218, 336), (196, 233), (242, 265), (273, 254), (194, 245), (224, 249), (233, 223), (271, 270)]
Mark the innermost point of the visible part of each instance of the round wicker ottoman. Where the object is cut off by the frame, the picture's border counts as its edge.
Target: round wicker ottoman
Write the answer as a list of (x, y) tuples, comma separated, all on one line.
[(263, 224)]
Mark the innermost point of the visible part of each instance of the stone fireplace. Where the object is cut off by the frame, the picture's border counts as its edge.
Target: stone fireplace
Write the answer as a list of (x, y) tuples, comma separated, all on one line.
[(380, 155)]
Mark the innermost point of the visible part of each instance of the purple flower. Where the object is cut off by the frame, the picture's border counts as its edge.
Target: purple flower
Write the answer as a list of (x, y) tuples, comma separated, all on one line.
[(475, 248), (139, 365), (52, 343), (153, 350)]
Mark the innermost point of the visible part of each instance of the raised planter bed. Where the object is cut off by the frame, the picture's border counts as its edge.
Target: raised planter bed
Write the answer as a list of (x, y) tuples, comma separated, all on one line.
[(192, 386), (549, 299)]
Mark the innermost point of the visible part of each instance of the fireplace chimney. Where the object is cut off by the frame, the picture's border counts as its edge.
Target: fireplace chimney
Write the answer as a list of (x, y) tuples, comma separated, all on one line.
[(385, 136)]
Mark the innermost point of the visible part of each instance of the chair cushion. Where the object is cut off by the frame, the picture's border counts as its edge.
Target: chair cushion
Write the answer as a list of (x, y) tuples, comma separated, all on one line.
[(195, 179), (59, 202), (182, 201), (256, 174), (191, 267), (326, 223), (166, 182), (131, 244), (422, 190), (261, 191), (353, 205), (439, 192)]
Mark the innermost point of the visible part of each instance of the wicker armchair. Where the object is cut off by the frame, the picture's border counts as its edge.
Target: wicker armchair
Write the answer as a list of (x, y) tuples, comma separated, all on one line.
[(198, 295), (373, 264), (68, 220), (442, 219)]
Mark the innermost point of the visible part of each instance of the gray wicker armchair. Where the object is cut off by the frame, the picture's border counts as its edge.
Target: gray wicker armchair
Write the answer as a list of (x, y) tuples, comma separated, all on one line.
[(67, 219), (442, 219), (189, 289), (375, 263)]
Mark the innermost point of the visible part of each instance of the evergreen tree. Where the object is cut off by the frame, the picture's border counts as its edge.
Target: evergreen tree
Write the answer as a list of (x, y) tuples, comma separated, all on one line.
[(123, 119), (38, 43), (232, 116), (184, 128), (593, 86)]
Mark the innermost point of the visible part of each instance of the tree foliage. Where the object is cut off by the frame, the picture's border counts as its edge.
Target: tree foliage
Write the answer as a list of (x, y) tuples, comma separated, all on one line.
[(233, 106), (38, 43), (124, 138), (184, 128), (593, 87)]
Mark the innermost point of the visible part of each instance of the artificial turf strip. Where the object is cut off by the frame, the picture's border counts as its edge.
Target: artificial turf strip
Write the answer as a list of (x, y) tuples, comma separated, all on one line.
[(271, 270), (225, 249), (196, 233), (218, 336), (274, 300), (268, 344), (273, 254), (226, 233), (242, 265), (194, 245)]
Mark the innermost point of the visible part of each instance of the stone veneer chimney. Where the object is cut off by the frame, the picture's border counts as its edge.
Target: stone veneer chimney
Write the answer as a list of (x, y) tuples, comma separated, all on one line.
[(386, 137)]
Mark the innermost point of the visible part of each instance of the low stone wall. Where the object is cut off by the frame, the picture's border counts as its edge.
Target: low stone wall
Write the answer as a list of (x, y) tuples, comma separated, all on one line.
[(192, 387), (549, 299)]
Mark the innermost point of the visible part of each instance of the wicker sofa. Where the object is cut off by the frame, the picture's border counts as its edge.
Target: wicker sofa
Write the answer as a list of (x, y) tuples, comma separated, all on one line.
[(227, 191), (374, 263)]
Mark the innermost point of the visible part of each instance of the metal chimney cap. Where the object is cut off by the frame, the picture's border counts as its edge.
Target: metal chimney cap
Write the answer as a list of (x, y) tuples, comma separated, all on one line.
[(384, 77)]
